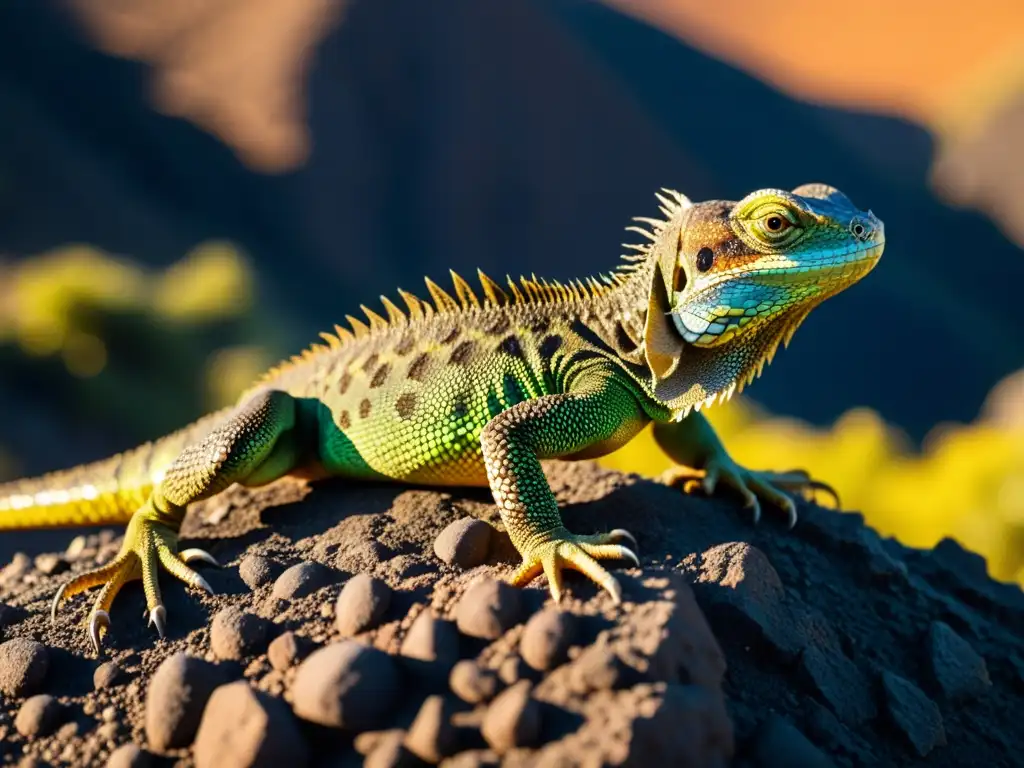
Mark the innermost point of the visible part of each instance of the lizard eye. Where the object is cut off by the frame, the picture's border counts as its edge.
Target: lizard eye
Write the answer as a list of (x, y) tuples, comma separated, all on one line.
[(776, 226)]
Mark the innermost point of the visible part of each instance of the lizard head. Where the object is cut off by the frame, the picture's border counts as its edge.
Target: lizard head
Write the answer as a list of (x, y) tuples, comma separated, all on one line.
[(733, 280)]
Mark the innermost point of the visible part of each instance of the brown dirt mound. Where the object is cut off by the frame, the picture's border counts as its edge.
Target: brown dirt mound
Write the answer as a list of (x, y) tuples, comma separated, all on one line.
[(734, 645)]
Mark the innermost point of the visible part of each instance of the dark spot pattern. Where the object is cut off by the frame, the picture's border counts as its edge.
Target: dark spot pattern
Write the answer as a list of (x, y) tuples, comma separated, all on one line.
[(364, 409), (550, 345), (510, 345), (344, 383), (371, 362), (512, 390), (462, 353), (623, 340), (418, 368), (589, 337), (460, 410), (406, 405), (380, 376), (344, 420), (405, 345), (494, 406), (498, 325), (540, 325), (453, 334)]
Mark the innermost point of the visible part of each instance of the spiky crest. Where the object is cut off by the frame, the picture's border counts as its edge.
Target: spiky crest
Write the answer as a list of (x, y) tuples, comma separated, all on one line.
[(526, 290), (671, 204)]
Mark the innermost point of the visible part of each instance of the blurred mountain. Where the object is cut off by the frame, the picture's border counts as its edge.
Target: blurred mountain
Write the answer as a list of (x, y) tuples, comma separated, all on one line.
[(985, 169), (350, 153)]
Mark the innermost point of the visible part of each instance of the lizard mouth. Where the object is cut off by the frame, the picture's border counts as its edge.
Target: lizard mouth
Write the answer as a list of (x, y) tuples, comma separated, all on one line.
[(720, 310), (826, 268)]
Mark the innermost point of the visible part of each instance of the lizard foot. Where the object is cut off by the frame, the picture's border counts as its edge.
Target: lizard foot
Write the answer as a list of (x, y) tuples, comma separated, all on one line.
[(752, 485), (147, 544), (561, 549)]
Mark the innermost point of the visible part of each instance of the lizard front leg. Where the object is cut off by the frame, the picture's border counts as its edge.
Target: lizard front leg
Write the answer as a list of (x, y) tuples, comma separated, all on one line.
[(598, 411), (255, 445), (692, 442)]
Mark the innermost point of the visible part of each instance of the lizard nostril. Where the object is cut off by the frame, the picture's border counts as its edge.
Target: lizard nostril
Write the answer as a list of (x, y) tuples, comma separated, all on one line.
[(860, 228)]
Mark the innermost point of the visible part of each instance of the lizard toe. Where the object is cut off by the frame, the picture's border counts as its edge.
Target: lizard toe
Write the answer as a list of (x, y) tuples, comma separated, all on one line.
[(99, 623), (581, 553)]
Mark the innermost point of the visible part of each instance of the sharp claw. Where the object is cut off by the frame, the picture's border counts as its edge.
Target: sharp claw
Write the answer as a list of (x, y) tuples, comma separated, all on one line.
[(158, 618), (614, 589), (204, 585), (622, 533), (189, 555), (98, 621), (56, 603), (710, 481), (756, 509), (631, 555)]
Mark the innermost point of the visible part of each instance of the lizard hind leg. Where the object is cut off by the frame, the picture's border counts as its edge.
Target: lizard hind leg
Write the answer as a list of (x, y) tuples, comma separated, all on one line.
[(255, 439)]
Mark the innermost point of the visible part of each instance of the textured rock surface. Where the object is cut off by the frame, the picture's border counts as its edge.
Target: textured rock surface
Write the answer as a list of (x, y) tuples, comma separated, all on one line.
[(824, 645)]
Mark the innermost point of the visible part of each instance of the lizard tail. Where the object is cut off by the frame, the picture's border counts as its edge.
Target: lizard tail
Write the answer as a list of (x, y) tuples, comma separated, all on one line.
[(102, 493), (105, 492)]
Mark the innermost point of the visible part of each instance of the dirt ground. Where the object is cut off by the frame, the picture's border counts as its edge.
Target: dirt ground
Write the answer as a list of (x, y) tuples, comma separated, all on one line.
[(734, 644)]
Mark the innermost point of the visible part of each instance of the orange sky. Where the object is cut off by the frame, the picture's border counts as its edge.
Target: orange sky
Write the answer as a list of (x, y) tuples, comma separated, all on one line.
[(903, 56)]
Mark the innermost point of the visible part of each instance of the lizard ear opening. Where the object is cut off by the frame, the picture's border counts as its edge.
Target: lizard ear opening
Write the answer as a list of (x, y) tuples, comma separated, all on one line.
[(663, 346)]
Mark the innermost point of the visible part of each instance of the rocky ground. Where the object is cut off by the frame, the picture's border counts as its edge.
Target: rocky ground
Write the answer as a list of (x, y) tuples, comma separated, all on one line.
[(368, 623)]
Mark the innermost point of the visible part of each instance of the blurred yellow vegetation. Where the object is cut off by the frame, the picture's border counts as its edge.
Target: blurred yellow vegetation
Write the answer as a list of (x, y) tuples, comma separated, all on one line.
[(43, 297), (967, 482)]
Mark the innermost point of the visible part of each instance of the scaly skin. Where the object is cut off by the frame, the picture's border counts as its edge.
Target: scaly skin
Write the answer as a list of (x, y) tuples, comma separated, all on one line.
[(472, 391)]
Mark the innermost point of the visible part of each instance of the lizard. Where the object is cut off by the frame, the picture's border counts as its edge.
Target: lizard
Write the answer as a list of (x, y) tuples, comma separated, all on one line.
[(477, 388)]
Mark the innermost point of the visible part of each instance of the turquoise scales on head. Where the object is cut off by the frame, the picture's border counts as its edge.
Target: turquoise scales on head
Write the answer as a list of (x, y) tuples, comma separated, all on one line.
[(468, 390)]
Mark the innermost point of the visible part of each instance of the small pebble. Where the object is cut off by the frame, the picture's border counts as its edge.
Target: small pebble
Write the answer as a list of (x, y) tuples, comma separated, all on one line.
[(256, 570), (245, 728), (286, 650), (464, 543), (130, 756), (433, 646), (512, 719), (488, 608), (38, 716), (107, 675), (471, 683), (346, 685), (177, 694), (431, 736), (51, 564), (597, 668), (389, 752), (511, 670), (76, 548), (235, 634), (361, 604), (957, 669), (23, 666), (546, 638), (19, 567), (364, 743), (302, 580), (913, 713)]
